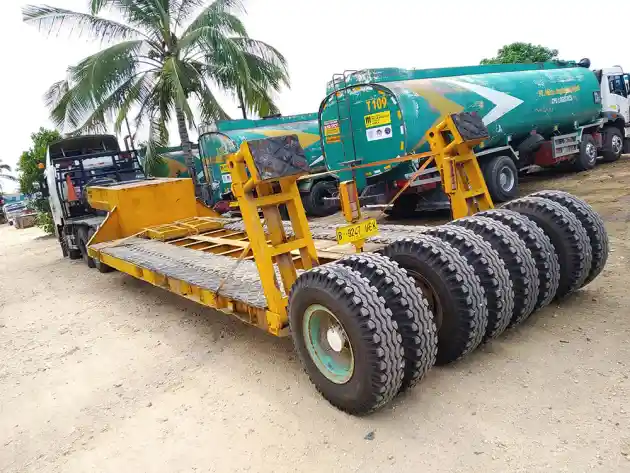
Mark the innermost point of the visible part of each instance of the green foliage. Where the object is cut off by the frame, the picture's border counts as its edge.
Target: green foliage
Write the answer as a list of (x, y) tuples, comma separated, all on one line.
[(31, 174), (161, 57), (522, 53), (44, 220), (29, 160)]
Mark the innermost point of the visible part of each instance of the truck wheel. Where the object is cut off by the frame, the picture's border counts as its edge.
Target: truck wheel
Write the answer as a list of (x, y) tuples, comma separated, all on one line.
[(73, 254), (613, 145), (410, 310), (98, 264), (346, 338), (314, 203), (567, 235), (518, 260), (592, 223), (492, 272), (82, 237), (587, 158), (455, 294), (501, 178), (541, 248), (62, 241)]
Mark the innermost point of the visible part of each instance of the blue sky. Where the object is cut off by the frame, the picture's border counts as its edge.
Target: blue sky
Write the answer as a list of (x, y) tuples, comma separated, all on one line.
[(323, 37)]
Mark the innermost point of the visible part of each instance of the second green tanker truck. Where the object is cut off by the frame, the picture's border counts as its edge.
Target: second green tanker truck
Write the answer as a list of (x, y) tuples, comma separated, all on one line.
[(227, 135), (542, 114)]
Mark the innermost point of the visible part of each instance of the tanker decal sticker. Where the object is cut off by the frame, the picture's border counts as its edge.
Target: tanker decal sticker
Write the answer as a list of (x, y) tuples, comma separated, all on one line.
[(305, 139), (331, 127), (434, 95), (377, 119), (379, 133), (503, 102), (333, 139)]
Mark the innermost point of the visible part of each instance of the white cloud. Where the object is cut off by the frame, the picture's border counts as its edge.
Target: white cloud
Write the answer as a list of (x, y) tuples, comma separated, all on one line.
[(323, 37)]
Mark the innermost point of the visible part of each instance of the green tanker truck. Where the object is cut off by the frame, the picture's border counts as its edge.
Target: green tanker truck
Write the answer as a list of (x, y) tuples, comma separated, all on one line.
[(227, 135), (543, 114)]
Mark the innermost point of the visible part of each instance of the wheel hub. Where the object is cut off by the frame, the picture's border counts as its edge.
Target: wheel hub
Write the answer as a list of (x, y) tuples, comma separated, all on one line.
[(328, 344), (591, 151), (617, 144), (335, 338), (506, 179)]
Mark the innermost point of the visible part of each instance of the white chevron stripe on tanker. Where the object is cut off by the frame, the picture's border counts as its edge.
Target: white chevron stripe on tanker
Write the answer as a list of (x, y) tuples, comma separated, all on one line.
[(503, 102)]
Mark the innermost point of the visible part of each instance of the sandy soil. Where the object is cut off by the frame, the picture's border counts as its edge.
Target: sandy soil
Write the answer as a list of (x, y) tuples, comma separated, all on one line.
[(108, 374)]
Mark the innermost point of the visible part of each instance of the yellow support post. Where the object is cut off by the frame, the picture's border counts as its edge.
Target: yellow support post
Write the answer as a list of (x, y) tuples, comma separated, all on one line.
[(272, 249), (452, 141)]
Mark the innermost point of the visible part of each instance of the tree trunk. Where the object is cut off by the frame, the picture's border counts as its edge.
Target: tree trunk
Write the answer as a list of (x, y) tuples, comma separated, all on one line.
[(241, 102), (187, 149)]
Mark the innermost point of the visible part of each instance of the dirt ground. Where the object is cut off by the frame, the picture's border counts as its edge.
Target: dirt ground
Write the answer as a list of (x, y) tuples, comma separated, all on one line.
[(105, 373)]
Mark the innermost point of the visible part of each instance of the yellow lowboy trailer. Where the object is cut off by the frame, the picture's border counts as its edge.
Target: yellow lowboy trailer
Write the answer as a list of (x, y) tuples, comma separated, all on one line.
[(365, 325)]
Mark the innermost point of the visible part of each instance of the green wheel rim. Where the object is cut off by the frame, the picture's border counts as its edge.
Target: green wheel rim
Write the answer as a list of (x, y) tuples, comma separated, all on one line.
[(328, 344)]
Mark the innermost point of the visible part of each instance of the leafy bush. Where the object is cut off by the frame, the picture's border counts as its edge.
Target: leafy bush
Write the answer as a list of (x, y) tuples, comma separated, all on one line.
[(45, 221)]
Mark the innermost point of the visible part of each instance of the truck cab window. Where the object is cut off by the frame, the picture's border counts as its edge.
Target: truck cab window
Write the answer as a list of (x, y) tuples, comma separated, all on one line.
[(617, 85)]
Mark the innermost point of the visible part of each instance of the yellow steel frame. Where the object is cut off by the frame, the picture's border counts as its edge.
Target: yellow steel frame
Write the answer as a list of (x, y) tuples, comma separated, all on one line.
[(133, 213), (462, 179), (272, 248)]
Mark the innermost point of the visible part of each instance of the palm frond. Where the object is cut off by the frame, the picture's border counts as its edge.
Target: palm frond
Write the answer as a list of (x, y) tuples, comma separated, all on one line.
[(109, 108), (218, 18), (138, 94), (5, 167), (158, 138), (181, 10), (9, 177), (178, 82), (55, 93), (51, 19)]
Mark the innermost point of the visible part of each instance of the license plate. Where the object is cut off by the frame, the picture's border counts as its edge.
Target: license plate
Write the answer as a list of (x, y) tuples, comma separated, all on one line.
[(357, 231)]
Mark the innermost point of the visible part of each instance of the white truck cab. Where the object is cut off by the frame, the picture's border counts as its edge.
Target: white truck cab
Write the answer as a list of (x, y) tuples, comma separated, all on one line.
[(72, 165), (615, 97)]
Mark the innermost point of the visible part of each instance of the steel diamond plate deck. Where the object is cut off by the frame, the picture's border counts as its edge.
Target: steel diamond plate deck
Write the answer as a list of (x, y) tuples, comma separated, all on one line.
[(322, 231), (240, 278)]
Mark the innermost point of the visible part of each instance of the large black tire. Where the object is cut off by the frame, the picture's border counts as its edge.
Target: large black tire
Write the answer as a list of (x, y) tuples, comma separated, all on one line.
[(62, 241), (592, 223), (314, 203), (501, 178), (491, 270), (73, 254), (587, 157), (613, 145), (102, 267), (518, 260), (410, 310), (83, 238), (372, 334), (541, 248), (455, 294), (567, 235)]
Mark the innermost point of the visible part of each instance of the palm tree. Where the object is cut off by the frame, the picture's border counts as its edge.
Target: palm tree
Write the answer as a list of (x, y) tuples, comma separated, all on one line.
[(4, 169), (160, 58)]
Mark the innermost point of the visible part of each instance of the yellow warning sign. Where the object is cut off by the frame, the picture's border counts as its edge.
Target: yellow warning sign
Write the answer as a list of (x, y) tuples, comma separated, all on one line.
[(378, 119), (224, 168), (331, 127), (333, 139)]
